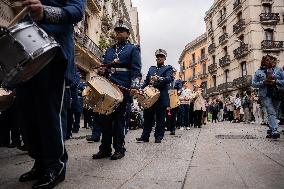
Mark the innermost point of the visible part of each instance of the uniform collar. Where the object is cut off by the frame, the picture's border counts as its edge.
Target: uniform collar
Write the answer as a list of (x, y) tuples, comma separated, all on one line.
[(161, 65)]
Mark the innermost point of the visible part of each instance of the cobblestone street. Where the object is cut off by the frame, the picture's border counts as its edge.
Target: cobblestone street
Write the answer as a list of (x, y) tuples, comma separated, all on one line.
[(217, 156)]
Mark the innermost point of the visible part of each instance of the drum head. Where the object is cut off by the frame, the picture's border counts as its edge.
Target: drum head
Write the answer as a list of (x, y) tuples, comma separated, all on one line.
[(6, 99), (104, 87)]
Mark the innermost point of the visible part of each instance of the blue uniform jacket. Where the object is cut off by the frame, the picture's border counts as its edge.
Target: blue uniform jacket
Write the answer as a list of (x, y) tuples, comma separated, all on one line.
[(129, 57), (260, 76), (63, 32), (165, 73), (178, 85)]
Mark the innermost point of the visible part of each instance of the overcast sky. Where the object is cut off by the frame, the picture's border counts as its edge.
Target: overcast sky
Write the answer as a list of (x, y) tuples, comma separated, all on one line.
[(169, 25)]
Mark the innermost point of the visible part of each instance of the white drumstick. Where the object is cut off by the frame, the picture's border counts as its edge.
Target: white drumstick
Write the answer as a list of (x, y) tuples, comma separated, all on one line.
[(19, 16)]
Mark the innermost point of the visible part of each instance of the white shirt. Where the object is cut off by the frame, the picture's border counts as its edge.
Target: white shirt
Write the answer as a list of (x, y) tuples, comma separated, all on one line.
[(185, 96), (238, 102)]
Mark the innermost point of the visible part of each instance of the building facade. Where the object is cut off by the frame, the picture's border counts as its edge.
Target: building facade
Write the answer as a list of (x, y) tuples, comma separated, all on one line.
[(194, 62), (239, 33)]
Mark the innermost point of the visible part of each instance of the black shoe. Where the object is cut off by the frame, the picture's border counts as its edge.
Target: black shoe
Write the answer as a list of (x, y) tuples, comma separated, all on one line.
[(142, 139), (101, 154), (275, 135), (12, 145), (117, 155), (172, 133), (33, 174), (91, 139), (23, 148), (158, 140), (48, 181), (268, 132), (269, 136)]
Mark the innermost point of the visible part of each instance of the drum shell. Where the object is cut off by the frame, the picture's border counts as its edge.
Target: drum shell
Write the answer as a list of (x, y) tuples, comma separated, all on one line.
[(174, 99), (149, 97), (6, 100), (24, 51)]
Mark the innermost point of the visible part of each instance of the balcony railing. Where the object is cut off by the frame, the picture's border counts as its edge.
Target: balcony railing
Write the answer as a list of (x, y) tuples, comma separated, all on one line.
[(237, 4), (91, 46), (211, 48), (239, 26), (203, 75), (224, 87), (222, 19), (223, 38), (94, 5), (224, 61), (202, 58), (212, 68), (242, 82), (269, 18), (266, 1), (212, 91), (210, 31), (268, 45), (241, 51)]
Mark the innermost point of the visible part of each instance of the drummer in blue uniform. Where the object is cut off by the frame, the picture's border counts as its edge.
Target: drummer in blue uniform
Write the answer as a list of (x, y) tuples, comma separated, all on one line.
[(124, 61), (43, 115), (160, 77)]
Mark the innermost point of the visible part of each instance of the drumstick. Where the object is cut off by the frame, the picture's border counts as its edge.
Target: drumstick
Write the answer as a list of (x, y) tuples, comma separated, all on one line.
[(19, 16), (125, 89)]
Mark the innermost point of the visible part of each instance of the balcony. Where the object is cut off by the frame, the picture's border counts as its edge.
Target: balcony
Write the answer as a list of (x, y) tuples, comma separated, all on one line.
[(269, 18), (226, 87), (94, 5), (243, 82), (225, 61), (211, 48), (210, 31), (203, 75), (222, 19), (202, 58), (223, 38), (84, 41), (272, 46), (241, 51), (237, 4), (239, 26), (212, 91), (212, 68)]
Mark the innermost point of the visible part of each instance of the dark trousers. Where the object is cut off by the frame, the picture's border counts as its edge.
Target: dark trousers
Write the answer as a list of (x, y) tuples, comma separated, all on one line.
[(87, 116), (184, 111), (73, 122), (198, 118), (96, 129), (173, 119), (43, 116), (113, 127), (230, 116), (156, 111)]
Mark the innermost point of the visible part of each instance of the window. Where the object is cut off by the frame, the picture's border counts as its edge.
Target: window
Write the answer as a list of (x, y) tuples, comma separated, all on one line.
[(214, 80), (244, 68), (204, 68), (193, 72), (267, 8), (226, 50), (202, 53), (269, 34), (224, 29), (211, 25), (193, 58), (240, 15), (226, 75), (214, 59), (242, 38), (212, 39), (86, 21)]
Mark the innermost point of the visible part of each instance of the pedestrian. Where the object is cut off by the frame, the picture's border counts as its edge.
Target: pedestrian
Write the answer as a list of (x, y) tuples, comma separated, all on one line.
[(43, 114), (161, 77), (267, 78), (199, 107), (185, 98), (126, 58), (237, 108)]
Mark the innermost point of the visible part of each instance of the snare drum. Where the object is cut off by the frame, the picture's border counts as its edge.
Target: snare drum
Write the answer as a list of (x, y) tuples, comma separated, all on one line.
[(174, 100), (24, 51), (6, 99), (149, 97), (102, 96)]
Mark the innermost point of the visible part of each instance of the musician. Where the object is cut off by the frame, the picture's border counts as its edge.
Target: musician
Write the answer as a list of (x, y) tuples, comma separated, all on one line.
[(160, 76), (41, 98), (174, 117), (123, 61), (267, 78)]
